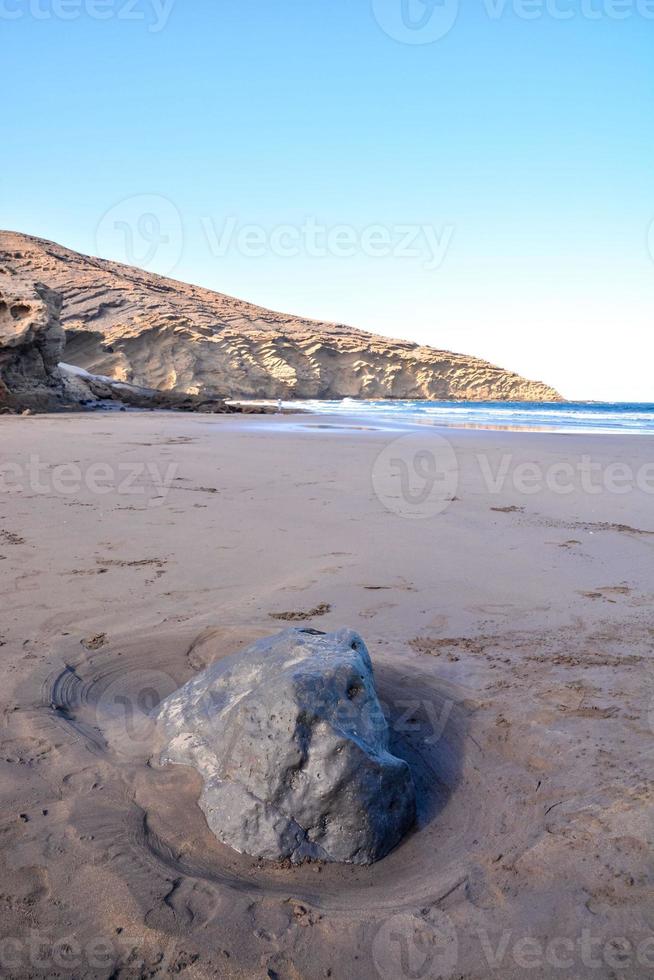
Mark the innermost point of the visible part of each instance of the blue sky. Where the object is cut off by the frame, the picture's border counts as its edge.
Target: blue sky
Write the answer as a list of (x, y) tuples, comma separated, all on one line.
[(478, 178)]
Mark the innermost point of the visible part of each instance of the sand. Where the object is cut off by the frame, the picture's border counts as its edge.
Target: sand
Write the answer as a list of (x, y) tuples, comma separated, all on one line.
[(512, 639)]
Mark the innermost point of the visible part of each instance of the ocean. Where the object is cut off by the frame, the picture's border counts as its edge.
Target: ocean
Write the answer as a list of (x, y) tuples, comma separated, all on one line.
[(599, 417)]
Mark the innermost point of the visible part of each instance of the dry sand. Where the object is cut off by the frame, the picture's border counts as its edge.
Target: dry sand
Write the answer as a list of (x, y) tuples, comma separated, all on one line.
[(512, 637)]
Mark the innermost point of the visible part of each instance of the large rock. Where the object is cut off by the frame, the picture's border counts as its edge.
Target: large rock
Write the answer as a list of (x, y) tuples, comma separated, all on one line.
[(31, 343), (291, 742)]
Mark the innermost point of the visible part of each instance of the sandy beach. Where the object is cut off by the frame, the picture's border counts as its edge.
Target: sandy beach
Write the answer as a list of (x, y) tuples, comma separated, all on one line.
[(503, 584)]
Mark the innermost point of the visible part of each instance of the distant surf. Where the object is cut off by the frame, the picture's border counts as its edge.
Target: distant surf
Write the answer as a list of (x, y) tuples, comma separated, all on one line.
[(599, 417)]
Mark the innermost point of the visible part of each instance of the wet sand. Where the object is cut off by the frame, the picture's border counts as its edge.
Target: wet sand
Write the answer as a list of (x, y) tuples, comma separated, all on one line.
[(508, 614)]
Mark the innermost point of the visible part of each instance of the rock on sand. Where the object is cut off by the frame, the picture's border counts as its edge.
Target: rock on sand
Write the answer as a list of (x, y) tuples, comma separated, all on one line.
[(291, 742)]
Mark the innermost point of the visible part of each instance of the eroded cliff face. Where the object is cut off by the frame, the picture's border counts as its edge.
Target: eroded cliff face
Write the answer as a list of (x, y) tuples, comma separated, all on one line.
[(147, 330), (32, 377), (32, 341)]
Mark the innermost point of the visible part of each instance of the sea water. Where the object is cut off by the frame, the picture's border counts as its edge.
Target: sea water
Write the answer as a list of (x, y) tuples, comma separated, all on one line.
[(623, 417)]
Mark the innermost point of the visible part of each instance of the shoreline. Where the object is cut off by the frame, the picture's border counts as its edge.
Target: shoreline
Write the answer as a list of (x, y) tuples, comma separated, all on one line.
[(579, 417)]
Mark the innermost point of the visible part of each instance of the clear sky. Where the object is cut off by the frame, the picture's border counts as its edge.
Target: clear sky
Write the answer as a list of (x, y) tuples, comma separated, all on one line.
[(477, 177)]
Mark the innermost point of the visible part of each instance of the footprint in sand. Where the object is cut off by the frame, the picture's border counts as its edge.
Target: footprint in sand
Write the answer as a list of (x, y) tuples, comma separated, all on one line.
[(607, 593), (187, 906), (292, 617), (8, 537), (95, 641)]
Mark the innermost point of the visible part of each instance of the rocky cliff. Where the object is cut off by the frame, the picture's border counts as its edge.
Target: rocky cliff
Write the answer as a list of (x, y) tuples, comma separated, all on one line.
[(144, 329), (31, 345), (32, 377)]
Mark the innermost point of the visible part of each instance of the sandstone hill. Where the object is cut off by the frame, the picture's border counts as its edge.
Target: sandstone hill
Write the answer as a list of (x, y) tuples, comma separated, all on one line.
[(147, 330)]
